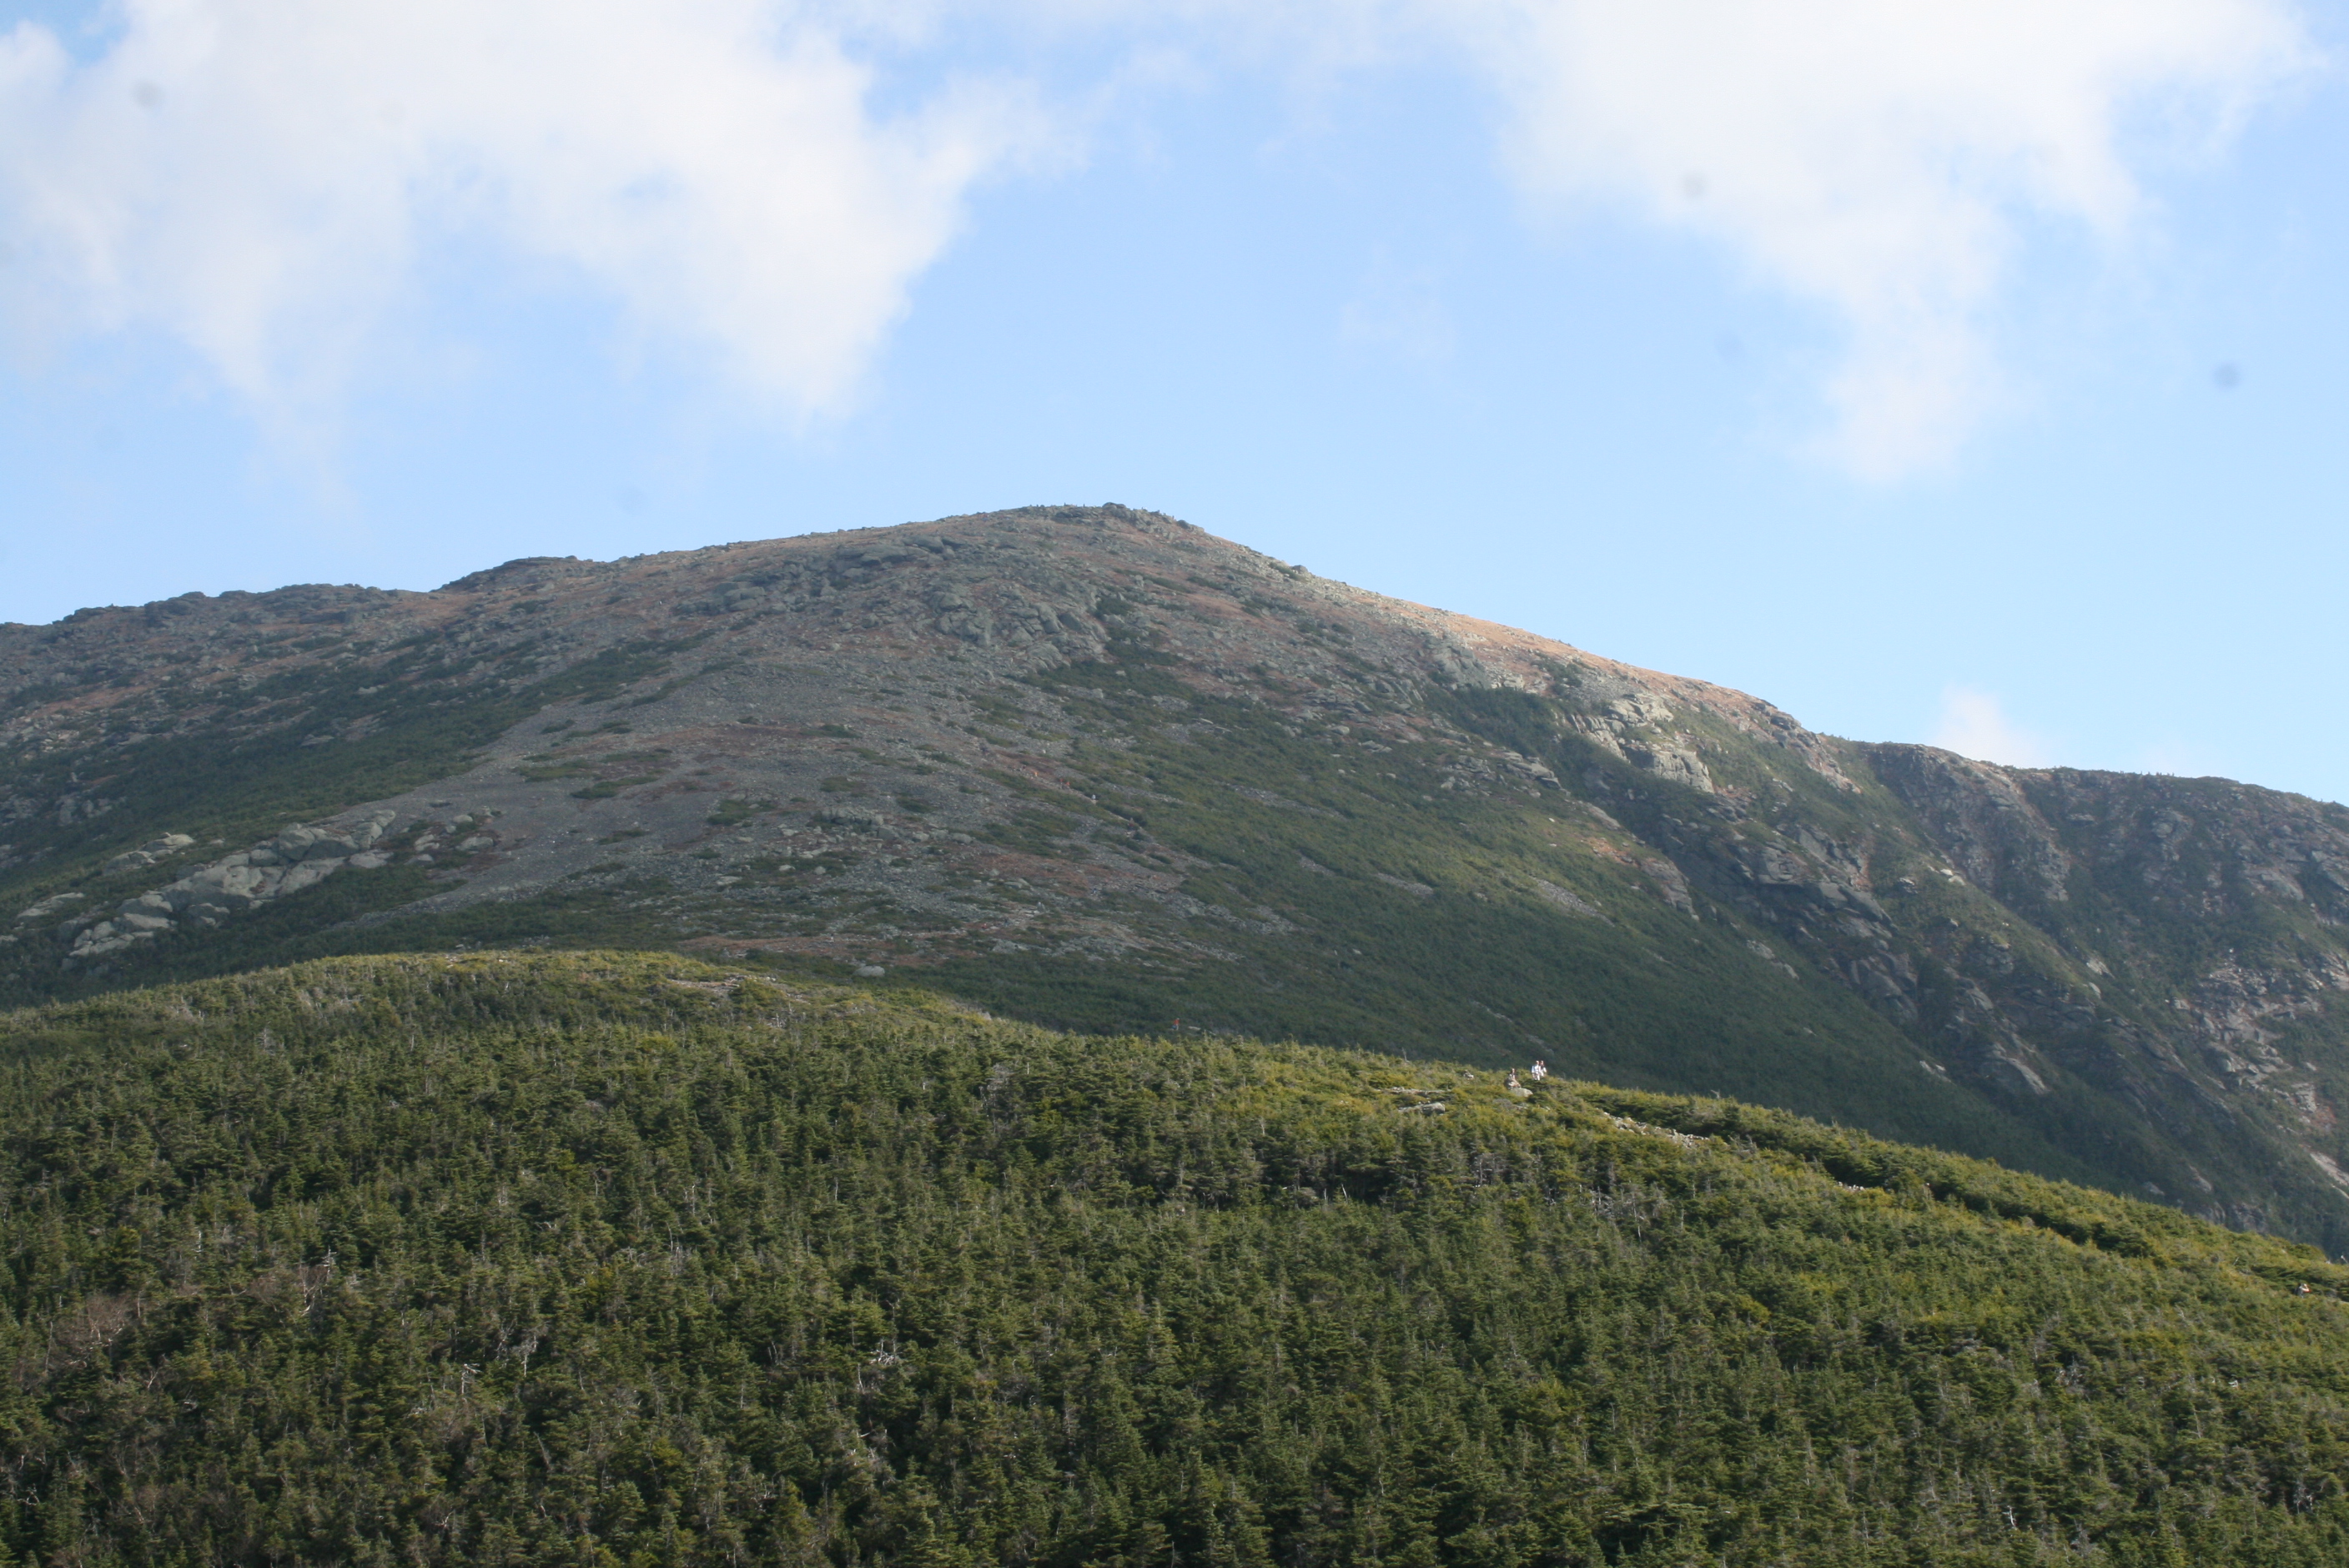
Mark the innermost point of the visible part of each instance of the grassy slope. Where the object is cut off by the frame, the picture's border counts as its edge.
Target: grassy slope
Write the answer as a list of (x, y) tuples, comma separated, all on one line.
[(1481, 969), (1486, 969), (621, 1258), (246, 773)]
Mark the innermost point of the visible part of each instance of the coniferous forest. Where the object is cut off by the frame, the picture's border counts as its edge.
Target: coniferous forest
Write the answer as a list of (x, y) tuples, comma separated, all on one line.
[(604, 1259)]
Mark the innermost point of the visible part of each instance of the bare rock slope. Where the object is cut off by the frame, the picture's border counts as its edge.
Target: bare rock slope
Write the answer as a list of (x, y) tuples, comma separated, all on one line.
[(1097, 766)]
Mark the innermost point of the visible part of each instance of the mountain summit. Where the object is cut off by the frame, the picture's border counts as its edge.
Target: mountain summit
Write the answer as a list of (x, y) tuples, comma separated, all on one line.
[(1093, 767)]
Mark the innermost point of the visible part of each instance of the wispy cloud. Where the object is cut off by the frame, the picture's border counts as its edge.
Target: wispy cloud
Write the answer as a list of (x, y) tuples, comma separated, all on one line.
[(260, 179), (257, 177), (1876, 157), (1974, 724)]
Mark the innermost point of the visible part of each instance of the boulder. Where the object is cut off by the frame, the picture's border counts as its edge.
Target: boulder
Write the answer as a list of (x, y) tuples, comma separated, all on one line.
[(1676, 763), (309, 873), (51, 905), (1565, 899), (1640, 708)]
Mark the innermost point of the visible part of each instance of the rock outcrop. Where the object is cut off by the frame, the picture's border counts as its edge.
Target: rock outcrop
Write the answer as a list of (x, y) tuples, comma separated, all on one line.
[(302, 856)]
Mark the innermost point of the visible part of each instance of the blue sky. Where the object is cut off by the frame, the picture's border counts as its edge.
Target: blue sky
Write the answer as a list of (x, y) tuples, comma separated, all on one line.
[(1963, 372)]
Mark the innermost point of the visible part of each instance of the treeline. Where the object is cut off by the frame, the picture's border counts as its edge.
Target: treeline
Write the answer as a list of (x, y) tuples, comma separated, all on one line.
[(603, 1260)]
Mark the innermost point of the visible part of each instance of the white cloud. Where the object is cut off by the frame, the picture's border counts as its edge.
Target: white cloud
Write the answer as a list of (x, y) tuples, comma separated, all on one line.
[(259, 178), (1876, 157), (1974, 725)]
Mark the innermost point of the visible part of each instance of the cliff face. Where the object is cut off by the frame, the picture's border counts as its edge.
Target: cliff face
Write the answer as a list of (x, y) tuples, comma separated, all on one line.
[(2204, 916), (1096, 766)]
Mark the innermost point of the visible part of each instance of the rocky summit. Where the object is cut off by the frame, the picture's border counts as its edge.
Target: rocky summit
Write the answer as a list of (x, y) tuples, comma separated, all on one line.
[(1098, 769)]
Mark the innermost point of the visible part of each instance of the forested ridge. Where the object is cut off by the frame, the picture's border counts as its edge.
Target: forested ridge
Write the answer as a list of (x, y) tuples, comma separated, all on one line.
[(594, 1258)]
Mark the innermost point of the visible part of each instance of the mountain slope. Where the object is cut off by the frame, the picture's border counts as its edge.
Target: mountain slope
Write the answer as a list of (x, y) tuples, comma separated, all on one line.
[(508, 1258), (1096, 768)]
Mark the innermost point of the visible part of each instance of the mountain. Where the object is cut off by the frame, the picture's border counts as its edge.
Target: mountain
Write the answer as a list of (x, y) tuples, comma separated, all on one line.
[(1095, 767), (626, 1258)]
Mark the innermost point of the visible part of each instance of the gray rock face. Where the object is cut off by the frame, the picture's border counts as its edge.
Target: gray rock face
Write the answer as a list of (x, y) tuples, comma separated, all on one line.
[(302, 856), (49, 907), (1981, 819), (154, 852), (1671, 881), (1677, 764), (1639, 708), (1635, 726), (1567, 900)]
